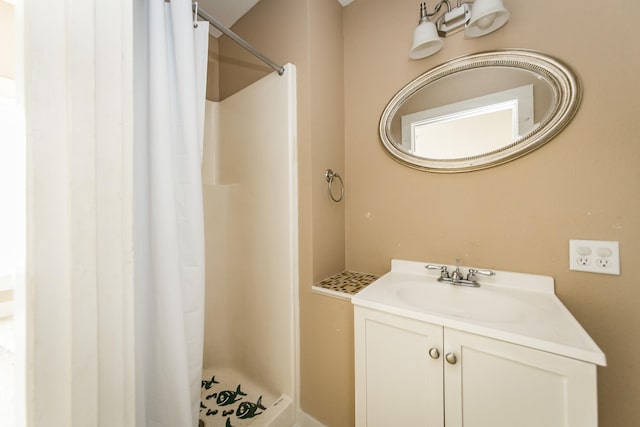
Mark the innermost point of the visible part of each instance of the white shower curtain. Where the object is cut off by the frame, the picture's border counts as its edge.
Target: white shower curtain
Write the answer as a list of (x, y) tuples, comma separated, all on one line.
[(169, 224)]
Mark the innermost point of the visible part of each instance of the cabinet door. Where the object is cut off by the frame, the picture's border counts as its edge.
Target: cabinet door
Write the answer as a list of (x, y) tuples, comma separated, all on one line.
[(397, 382), (498, 384)]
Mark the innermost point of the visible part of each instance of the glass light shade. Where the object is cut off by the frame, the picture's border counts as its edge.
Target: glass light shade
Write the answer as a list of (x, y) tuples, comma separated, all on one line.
[(486, 17), (425, 41)]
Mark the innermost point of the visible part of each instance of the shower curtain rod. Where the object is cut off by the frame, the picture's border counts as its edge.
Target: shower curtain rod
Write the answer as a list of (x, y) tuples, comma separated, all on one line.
[(236, 38)]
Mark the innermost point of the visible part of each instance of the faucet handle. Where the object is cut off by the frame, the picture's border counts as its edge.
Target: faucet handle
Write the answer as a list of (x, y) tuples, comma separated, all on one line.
[(443, 269), (473, 271)]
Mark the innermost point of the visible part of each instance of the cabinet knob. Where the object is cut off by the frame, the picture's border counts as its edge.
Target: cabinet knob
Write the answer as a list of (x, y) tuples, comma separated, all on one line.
[(451, 358), (434, 353)]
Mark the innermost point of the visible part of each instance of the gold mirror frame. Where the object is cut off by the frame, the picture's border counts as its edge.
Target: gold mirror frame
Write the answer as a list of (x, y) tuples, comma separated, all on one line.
[(560, 77)]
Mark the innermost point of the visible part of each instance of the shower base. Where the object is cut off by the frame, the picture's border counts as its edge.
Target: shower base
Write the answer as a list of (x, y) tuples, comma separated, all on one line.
[(230, 399)]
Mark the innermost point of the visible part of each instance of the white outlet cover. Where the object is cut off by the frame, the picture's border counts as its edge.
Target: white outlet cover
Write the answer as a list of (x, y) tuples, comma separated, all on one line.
[(594, 256)]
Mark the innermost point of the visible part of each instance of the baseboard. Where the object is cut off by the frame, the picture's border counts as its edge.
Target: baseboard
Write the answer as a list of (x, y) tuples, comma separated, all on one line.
[(306, 420)]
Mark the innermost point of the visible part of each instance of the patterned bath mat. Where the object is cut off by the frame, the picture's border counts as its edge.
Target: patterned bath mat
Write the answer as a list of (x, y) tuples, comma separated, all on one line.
[(225, 403)]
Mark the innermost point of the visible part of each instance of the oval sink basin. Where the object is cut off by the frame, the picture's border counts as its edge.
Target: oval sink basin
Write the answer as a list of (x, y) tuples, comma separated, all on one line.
[(462, 302)]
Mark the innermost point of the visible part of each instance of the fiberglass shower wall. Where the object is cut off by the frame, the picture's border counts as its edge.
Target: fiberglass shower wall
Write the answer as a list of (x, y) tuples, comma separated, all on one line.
[(250, 195)]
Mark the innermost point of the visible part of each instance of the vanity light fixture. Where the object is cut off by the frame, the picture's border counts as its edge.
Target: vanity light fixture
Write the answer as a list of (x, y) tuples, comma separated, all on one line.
[(476, 19)]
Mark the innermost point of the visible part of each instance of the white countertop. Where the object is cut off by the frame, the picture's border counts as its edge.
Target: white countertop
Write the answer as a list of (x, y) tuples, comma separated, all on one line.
[(513, 307)]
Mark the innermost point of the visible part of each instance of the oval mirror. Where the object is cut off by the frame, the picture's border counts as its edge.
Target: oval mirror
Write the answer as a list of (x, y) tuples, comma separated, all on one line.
[(480, 111)]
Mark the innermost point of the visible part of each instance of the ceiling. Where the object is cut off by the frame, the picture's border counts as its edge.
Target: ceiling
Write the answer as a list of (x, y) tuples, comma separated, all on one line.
[(229, 11)]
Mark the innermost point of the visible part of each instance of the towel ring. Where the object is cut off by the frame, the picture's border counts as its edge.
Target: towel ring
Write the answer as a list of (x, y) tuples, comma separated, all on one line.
[(329, 175)]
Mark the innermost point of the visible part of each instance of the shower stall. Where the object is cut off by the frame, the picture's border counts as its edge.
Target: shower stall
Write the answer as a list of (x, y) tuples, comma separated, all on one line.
[(250, 207)]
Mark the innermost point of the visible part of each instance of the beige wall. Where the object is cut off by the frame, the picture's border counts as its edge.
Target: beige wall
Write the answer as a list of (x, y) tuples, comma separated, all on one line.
[(519, 216), (327, 323), (7, 40)]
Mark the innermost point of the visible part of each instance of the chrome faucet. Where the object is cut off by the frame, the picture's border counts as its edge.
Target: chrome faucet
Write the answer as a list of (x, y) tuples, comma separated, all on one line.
[(456, 277)]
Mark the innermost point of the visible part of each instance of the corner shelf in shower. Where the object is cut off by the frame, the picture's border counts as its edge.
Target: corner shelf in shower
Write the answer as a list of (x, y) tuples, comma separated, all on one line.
[(344, 285)]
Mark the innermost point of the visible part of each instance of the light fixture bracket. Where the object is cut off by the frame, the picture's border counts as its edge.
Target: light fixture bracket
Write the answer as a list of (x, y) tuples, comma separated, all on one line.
[(453, 21)]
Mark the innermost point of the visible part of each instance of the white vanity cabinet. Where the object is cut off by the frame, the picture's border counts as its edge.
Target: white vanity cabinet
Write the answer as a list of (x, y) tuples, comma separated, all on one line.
[(414, 373), (397, 383)]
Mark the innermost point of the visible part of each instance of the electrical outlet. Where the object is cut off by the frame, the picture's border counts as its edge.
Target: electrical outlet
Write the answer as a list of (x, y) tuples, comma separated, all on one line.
[(594, 256)]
